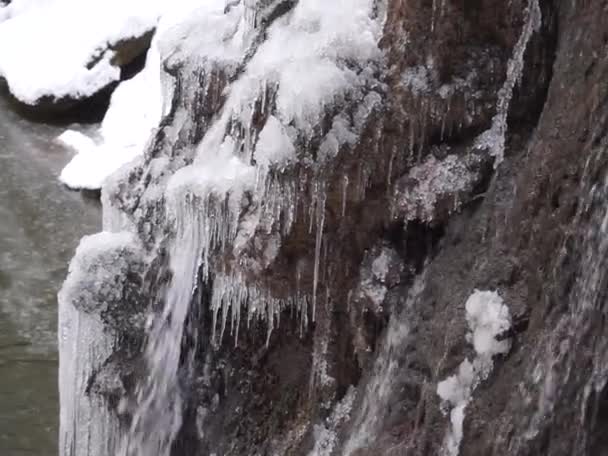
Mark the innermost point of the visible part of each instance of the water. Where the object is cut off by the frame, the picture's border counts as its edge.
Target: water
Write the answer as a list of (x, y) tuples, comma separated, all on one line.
[(40, 225)]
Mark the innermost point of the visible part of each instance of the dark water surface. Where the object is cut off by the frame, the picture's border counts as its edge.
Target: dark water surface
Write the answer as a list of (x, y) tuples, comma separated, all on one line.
[(41, 223)]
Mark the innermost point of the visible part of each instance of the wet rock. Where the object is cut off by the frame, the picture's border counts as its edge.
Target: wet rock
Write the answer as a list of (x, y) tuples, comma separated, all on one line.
[(370, 244)]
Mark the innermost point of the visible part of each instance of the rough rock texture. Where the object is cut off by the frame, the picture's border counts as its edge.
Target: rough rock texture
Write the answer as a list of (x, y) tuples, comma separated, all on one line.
[(415, 215)]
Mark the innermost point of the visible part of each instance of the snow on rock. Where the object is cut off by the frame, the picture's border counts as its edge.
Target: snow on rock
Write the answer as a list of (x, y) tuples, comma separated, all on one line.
[(63, 48), (488, 319), (135, 111), (274, 144), (304, 51), (207, 33), (300, 68), (281, 77), (98, 275), (419, 79)]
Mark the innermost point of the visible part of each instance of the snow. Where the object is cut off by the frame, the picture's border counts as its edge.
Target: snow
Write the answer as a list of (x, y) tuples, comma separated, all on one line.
[(487, 318), (314, 40), (103, 258), (274, 144), (135, 111), (47, 46), (15, 8), (419, 79), (456, 389), (304, 51)]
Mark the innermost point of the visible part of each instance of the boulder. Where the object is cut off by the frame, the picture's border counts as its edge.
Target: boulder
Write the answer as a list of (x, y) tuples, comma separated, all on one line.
[(47, 72)]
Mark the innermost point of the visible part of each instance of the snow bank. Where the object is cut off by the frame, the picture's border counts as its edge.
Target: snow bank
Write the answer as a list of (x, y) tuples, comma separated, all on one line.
[(59, 48), (135, 111), (488, 318)]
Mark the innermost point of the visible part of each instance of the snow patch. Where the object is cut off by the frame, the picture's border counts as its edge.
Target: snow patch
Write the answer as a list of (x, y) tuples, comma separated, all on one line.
[(274, 145), (488, 319)]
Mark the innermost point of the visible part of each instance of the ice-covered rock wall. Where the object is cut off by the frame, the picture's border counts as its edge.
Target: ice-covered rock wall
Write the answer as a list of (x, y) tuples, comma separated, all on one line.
[(99, 309), (314, 212)]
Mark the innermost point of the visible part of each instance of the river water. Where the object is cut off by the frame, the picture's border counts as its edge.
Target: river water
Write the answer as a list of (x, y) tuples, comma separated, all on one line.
[(41, 223)]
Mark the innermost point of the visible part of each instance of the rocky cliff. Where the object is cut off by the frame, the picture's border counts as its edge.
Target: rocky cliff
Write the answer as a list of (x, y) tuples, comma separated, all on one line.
[(363, 227)]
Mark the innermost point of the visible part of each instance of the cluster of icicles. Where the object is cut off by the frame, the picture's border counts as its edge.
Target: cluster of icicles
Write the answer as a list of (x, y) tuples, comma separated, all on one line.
[(217, 205), (210, 221), (215, 208)]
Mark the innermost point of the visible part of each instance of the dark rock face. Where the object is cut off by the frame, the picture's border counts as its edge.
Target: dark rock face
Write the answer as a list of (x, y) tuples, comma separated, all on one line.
[(413, 215)]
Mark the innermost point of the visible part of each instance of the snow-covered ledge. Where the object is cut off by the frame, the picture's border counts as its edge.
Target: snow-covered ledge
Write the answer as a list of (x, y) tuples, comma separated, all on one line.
[(58, 50)]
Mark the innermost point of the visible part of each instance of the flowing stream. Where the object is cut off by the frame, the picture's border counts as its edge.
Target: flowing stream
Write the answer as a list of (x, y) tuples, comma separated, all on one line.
[(41, 223)]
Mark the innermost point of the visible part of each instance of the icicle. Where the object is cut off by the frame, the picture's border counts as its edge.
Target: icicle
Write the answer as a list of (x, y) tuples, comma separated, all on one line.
[(304, 307), (494, 138), (424, 113), (320, 206), (314, 206), (344, 194), (390, 168), (319, 373), (412, 138), (445, 116)]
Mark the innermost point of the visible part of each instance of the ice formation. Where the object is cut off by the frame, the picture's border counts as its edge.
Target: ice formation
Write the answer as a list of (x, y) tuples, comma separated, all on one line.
[(49, 61), (326, 434), (275, 70), (428, 183), (488, 319), (217, 203), (88, 335), (494, 139)]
